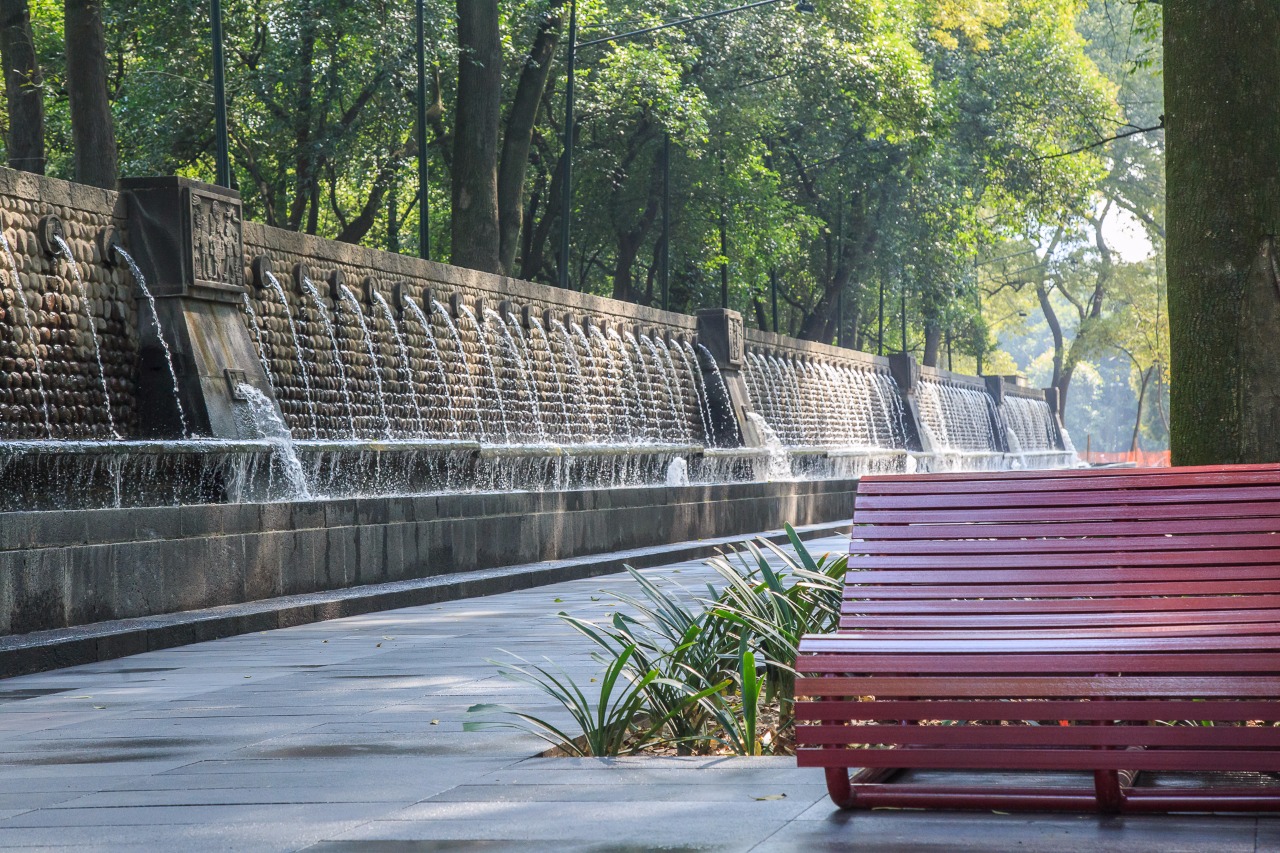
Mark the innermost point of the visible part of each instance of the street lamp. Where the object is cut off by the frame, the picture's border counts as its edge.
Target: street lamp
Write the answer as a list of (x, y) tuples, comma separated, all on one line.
[(566, 192)]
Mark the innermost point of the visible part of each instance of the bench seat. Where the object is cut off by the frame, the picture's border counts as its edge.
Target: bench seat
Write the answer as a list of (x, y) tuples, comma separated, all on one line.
[(1114, 622)]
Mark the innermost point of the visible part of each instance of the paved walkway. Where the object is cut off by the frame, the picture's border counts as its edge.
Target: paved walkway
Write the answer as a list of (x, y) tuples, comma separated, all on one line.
[(347, 735)]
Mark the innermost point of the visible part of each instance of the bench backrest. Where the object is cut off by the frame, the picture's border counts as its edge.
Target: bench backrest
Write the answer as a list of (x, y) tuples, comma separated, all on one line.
[(1149, 550)]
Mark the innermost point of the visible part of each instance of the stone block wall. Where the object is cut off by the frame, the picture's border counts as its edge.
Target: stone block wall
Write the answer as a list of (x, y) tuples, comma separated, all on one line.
[(62, 569), (51, 383)]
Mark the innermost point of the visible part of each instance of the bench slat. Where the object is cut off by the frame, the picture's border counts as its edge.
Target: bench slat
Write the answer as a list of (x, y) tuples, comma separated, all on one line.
[(836, 663), (987, 736), (1048, 709), (1059, 686), (1239, 761)]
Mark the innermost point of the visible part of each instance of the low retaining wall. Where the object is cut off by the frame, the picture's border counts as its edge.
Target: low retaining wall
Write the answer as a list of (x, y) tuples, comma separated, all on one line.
[(63, 569)]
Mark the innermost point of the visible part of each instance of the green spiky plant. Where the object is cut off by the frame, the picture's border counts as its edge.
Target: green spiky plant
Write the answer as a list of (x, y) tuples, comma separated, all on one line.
[(689, 670)]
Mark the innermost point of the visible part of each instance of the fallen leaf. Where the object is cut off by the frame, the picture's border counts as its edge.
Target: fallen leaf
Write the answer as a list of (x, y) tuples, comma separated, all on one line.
[(248, 676), (435, 722), (388, 638), (99, 707), (558, 600), (378, 646), (771, 797), (79, 697)]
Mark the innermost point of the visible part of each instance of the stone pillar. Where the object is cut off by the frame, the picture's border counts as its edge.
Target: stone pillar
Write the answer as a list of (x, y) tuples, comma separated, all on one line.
[(720, 332), (186, 239), (995, 390), (906, 373)]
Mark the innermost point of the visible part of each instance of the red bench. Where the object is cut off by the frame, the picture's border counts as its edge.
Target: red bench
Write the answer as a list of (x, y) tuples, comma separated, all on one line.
[(1031, 623)]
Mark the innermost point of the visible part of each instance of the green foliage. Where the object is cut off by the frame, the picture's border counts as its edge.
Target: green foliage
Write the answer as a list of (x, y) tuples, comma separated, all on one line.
[(690, 671), (878, 145)]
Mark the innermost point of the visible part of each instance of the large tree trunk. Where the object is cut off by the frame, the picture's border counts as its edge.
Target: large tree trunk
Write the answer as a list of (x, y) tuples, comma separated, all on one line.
[(475, 141), (1222, 108), (519, 137), (932, 344), (304, 168), (92, 129), (23, 84)]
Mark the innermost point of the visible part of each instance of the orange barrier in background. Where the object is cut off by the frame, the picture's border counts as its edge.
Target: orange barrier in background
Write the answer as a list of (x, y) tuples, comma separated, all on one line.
[(1141, 458)]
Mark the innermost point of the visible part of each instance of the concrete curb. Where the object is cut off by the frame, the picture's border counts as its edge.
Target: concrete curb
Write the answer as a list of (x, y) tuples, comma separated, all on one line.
[(44, 650)]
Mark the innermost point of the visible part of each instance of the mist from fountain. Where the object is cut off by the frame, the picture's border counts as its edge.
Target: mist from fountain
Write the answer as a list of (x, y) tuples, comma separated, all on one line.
[(65, 251), (33, 338)]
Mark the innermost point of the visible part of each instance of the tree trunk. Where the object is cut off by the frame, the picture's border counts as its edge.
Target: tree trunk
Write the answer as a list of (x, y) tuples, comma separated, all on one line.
[(475, 139), (22, 85), (932, 344), (92, 129), (304, 168), (519, 137), (1137, 419), (1222, 103)]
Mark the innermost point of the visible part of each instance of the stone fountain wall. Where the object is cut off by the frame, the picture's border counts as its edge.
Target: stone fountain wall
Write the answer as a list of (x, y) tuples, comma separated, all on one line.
[(467, 402), (45, 335)]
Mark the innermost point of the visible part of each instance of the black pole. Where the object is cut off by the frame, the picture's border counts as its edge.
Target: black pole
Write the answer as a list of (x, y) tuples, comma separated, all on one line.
[(903, 282), (220, 97), (773, 295), (566, 196), (880, 333), (666, 222), (424, 205), (393, 217), (724, 244), (840, 319)]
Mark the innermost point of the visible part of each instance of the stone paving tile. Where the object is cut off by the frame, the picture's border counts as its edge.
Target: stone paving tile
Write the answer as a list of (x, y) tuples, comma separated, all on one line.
[(323, 735)]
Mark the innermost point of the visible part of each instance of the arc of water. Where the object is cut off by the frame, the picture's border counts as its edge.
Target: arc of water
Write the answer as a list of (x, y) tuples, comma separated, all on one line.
[(585, 424), (463, 366), (600, 402), (309, 288), (374, 361), (512, 356), (493, 375), (155, 317), (274, 283), (429, 331), (257, 338), (526, 365), (65, 250), (652, 426), (700, 388), (535, 325), (679, 425), (615, 382), (31, 333), (406, 365), (631, 393), (268, 425)]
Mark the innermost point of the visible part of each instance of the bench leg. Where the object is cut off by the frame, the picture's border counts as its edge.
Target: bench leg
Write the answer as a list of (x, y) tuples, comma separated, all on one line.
[(840, 785)]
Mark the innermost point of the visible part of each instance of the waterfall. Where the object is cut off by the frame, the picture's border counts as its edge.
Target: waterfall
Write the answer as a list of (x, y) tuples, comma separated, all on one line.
[(535, 325), (493, 375), (522, 369), (32, 337), (406, 365), (463, 365), (429, 331), (297, 349), (957, 418), (93, 327), (309, 288), (268, 425), (155, 317), (375, 364), (257, 338)]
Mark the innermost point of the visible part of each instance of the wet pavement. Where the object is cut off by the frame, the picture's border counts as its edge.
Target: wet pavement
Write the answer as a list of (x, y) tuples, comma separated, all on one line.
[(347, 735)]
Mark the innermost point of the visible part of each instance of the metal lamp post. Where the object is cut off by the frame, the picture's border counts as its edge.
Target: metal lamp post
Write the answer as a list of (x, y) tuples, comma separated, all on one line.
[(566, 193), (424, 208), (223, 156)]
